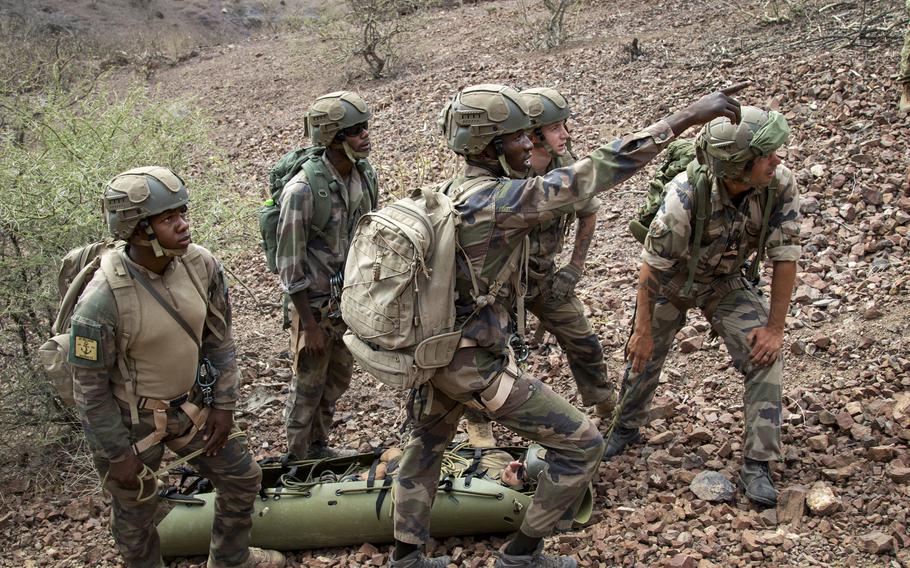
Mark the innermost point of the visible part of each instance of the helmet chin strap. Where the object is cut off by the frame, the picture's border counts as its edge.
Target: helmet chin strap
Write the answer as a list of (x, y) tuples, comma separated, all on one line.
[(151, 240), (351, 154), (500, 155)]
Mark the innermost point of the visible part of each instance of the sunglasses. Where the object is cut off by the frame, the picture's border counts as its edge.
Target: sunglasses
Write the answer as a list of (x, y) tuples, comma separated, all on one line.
[(355, 130)]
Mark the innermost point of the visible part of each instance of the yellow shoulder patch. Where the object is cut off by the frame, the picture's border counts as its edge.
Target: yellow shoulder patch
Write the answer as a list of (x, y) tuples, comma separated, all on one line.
[(86, 348)]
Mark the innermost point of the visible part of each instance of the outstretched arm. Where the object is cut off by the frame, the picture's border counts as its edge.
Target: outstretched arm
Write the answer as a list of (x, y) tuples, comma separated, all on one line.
[(522, 204)]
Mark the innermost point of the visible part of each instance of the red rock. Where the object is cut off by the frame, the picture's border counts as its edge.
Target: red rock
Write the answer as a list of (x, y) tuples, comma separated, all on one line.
[(682, 560), (844, 420), (898, 474), (818, 443), (876, 542), (791, 504), (881, 453)]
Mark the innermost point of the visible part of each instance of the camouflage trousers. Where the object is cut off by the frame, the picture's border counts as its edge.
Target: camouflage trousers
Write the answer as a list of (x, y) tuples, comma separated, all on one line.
[(318, 383), (532, 410), (736, 314), (904, 76), (566, 320), (233, 473)]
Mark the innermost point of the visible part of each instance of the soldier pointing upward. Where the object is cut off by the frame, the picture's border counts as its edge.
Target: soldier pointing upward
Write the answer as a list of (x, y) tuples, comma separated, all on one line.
[(498, 208)]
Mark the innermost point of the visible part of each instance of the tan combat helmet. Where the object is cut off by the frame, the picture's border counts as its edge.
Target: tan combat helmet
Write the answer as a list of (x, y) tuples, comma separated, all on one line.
[(135, 195), (481, 114), (332, 113), (728, 149), (545, 106)]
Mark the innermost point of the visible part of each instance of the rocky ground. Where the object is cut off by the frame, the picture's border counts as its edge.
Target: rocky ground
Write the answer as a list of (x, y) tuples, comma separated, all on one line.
[(830, 69)]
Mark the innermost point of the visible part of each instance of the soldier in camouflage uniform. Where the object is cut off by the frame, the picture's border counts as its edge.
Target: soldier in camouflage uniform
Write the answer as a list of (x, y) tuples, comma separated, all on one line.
[(498, 208), (551, 292), (309, 259), (740, 164), (904, 77), (136, 386)]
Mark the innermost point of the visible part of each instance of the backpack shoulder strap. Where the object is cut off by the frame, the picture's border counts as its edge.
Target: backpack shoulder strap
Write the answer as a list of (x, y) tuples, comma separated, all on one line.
[(118, 278), (322, 184), (701, 186), (68, 303), (769, 202), (370, 182)]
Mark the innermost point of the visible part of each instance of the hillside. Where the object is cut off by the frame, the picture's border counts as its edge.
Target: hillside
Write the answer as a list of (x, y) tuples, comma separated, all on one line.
[(829, 68)]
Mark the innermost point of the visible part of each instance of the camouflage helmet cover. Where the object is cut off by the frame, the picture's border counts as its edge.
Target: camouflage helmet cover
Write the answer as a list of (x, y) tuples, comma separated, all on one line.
[(545, 106), (138, 194), (481, 113), (728, 149), (332, 113)]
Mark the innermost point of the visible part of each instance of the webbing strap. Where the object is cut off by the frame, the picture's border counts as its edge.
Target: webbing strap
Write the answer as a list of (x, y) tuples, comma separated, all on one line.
[(702, 206), (472, 469), (770, 200)]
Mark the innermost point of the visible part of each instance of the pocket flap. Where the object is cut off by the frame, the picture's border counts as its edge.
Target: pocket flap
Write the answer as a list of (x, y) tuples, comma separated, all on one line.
[(437, 351)]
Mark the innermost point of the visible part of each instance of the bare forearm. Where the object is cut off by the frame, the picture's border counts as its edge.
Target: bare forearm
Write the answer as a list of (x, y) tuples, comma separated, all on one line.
[(782, 280), (584, 234), (301, 301), (648, 288)]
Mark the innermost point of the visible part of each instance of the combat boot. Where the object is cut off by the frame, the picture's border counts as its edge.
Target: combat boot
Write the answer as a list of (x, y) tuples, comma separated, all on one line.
[(322, 451), (258, 558), (537, 559), (416, 559), (904, 104), (480, 434), (755, 481), (620, 439)]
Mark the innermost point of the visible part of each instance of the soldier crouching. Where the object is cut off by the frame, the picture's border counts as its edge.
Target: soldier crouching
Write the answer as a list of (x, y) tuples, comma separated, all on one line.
[(753, 205)]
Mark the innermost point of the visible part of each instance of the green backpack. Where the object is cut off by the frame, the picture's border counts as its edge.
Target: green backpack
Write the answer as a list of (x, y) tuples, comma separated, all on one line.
[(681, 157), (322, 183)]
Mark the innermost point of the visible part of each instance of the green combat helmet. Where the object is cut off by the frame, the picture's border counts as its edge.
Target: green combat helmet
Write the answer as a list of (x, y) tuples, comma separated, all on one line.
[(482, 114), (135, 195), (332, 113), (545, 106), (727, 149)]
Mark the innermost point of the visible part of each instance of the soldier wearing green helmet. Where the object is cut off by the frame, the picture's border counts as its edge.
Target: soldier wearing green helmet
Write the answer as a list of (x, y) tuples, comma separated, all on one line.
[(153, 362), (753, 206), (310, 261), (498, 207), (551, 292)]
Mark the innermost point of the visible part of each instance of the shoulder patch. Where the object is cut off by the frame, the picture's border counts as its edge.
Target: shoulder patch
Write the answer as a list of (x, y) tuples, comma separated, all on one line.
[(85, 344)]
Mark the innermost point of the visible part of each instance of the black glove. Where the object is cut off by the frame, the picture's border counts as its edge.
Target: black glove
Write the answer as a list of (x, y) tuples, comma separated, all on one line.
[(564, 282)]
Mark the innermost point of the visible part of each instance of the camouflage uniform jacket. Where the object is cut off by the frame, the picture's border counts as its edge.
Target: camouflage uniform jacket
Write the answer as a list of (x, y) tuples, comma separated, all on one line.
[(307, 261), (547, 238), (497, 216), (94, 382), (731, 234)]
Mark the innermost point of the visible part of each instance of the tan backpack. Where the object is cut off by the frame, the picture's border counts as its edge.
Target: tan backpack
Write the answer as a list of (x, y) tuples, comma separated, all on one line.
[(398, 299)]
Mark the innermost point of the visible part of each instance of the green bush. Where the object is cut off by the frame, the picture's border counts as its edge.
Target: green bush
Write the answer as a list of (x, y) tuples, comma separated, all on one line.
[(53, 164)]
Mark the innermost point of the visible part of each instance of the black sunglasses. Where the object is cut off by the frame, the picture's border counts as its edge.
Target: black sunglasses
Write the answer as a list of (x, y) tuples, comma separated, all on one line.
[(355, 130)]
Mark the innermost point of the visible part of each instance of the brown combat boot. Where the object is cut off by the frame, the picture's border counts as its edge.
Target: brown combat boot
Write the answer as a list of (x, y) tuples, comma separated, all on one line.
[(258, 558), (904, 104), (321, 451), (480, 434), (262, 558)]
